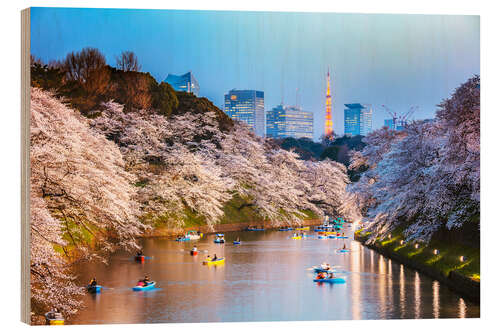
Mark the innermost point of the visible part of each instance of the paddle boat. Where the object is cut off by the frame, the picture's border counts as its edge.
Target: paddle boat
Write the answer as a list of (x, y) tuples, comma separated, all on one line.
[(182, 239), (94, 289), (54, 318), (285, 229), (219, 238), (140, 258), (302, 229), (330, 280), (323, 270), (193, 235), (210, 262), (142, 287)]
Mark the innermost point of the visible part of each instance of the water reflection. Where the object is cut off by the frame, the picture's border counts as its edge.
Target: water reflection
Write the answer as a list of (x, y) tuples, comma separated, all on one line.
[(402, 296), (417, 295), (265, 278), (435, 299), (462, 308), (382, 287), (356, 254)]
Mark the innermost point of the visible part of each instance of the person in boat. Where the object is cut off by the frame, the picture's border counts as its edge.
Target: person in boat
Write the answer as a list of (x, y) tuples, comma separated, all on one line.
[(238, 239), (139, 253), (93, 282), (325, 266), (215, 257), (195, 249), (331, 276), (144, 282), (344, 248), (53, 314)]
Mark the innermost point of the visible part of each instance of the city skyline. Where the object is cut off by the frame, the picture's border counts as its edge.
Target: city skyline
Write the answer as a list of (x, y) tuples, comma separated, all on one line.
[(284, 121), (397, 60)]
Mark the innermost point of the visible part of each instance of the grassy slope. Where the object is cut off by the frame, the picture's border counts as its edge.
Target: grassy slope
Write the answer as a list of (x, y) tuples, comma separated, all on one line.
[(446, 261), (232, 214)]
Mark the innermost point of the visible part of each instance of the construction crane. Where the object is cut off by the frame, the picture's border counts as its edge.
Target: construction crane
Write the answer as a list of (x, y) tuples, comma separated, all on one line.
[(404, 118), (393, 115), (400, 120)]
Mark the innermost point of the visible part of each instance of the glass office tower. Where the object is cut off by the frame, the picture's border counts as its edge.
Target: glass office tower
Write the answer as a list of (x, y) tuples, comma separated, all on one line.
[(289, 121), (357, 119), (186, 82), (248, 107)]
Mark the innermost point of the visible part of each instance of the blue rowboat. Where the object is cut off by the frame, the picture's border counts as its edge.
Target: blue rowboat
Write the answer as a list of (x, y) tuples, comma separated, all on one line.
[(236, 243), (322, 237), (343, 251), (343, 237), (149, 286), (332, 236), (94, 289), (334, 280)]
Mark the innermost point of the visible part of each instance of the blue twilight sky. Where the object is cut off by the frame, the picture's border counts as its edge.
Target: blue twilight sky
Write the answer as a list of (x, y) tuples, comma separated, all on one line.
[(396, 60)]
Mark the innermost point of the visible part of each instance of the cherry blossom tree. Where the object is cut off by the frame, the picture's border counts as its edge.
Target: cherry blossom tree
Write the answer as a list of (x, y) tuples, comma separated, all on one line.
[(81, 199), (426, 177)]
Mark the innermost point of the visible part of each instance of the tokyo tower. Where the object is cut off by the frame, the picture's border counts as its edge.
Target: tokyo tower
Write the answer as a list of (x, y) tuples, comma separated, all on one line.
[(328, 116)]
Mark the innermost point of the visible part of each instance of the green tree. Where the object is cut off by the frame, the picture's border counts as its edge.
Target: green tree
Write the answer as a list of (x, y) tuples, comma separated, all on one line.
[(164, 99), (331, 153)]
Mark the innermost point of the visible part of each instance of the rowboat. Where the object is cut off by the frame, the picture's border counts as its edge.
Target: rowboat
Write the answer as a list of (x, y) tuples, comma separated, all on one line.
[(332, 280), (210, 262), (94, 289), (54, 318), (149, 286)]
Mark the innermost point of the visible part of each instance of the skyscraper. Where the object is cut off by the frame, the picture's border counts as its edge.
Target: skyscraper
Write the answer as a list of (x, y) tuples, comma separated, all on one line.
[(247, 106), (186, 82), (328, 115), (366, 120), (357, 119), (289, 121)]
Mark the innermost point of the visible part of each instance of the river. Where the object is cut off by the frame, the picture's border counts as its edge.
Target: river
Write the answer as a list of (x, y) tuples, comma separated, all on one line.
[(266, 278)]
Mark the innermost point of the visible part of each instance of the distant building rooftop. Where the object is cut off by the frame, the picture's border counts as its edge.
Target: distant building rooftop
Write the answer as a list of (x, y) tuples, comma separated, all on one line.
[(355, 106), (186, 82)]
